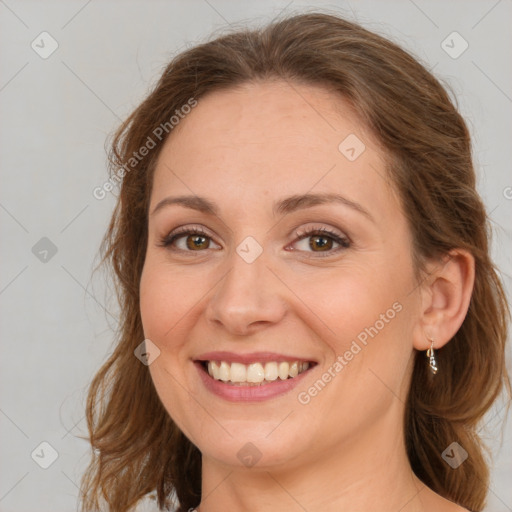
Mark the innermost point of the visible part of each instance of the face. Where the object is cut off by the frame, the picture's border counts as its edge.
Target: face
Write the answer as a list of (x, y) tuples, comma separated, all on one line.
[(248, 280)]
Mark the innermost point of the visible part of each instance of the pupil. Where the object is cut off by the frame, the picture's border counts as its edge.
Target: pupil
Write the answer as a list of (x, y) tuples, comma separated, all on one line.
[(197, 240), (320, 244)]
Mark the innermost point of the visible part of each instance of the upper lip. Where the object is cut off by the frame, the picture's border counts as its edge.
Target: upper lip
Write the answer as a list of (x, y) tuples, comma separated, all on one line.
[(253, 357)]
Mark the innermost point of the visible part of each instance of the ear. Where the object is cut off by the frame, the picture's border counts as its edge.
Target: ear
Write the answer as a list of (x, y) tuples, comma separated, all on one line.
[(445, 296)]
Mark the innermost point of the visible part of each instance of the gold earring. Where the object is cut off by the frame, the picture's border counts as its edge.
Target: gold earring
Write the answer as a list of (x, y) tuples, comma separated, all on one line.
[(431, 356)]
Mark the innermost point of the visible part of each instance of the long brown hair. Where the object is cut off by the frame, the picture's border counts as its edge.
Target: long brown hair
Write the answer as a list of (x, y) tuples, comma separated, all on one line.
[(136, 446)]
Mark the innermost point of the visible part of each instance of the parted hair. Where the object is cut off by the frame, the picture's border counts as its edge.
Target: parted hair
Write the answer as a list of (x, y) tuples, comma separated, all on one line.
[(136, 447)]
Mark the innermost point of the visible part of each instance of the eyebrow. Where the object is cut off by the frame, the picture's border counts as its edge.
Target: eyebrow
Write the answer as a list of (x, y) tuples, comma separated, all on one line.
[(282, 207)]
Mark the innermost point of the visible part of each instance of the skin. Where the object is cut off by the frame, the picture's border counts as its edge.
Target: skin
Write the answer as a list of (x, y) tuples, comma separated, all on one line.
[(243, 149)]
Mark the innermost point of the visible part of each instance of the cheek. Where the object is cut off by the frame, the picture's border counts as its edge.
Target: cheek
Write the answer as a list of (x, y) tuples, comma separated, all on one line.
[(349, 299), (367, 310), (166, 306), (167, 299), (368, 314)]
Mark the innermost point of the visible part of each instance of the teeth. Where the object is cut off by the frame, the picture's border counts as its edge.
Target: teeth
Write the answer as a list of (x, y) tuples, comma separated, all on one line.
[(238, 372), (213, 367), (224, 371), (283, 370), (255, 373), (271, 371)]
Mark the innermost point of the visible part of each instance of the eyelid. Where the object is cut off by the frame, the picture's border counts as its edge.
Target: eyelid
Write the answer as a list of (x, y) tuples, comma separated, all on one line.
[(180, 231), (339, 237), (303, 231)]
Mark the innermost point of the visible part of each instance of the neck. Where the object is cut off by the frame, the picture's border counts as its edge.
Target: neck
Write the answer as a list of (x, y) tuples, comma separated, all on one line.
[(367, 472)]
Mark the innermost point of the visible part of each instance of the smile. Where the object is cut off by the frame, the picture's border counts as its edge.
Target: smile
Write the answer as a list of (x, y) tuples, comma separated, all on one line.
[(254, 374), (251, 377)]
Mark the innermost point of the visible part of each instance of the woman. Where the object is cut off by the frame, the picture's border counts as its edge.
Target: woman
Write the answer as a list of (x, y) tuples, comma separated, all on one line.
[(297, 229)]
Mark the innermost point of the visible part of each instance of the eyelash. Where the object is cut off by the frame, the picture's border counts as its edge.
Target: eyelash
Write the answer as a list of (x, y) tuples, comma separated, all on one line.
[(343, 242)]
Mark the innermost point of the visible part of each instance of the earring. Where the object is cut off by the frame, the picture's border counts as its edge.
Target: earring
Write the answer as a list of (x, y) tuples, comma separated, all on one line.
[(432, 359)]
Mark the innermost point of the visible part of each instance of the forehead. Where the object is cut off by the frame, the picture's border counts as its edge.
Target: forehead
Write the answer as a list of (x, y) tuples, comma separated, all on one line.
[(272, 139)]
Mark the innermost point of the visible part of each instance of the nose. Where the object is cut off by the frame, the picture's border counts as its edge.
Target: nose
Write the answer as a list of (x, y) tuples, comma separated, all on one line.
[(247, 299)]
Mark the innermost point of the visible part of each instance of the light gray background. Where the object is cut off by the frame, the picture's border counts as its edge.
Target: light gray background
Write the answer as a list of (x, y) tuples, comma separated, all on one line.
[(56, 114)]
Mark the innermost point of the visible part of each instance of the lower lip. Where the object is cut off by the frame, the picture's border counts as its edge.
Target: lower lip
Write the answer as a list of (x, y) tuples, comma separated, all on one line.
[(235, 393)]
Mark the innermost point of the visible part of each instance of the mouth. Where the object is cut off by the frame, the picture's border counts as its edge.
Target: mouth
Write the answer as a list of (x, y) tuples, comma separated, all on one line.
[(254, 374), (251, 377)]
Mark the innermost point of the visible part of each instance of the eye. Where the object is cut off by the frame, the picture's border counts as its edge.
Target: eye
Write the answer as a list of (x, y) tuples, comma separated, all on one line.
[(192, 240), (322, 240)]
